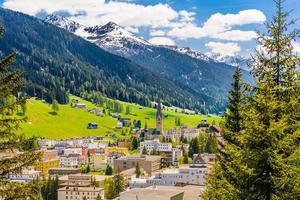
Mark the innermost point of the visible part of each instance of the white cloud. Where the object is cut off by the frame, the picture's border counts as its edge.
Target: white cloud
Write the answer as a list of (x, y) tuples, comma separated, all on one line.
[(221, 26), (95, 12), (158, 17), (224, 49), (262, 49), (186, 16), (296, 46), (157, 33), (236, 35), (161, 41), (132, 29)]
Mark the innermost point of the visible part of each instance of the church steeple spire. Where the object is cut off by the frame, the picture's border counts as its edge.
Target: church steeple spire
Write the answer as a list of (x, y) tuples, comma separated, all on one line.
[(159, 117)]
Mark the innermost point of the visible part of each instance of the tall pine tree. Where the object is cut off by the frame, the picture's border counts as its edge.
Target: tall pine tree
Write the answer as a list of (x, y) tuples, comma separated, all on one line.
[(271, 143), (223, 182), (10, 142), (265, 155)]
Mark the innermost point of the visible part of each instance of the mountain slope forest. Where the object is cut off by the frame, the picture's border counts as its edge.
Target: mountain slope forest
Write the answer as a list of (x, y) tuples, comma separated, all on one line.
[(209, 79), (57, 63)]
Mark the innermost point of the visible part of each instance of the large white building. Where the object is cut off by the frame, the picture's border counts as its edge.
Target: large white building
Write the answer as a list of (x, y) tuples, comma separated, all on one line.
[(72, 142), (176, 134), (72, 160), (187, 175), (72, 151), (172, 154), (25, 176), (151, 145)]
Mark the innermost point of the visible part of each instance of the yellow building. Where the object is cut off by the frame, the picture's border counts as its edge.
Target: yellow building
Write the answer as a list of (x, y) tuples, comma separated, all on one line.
[(97, 161), (44, 166), (122, 150)]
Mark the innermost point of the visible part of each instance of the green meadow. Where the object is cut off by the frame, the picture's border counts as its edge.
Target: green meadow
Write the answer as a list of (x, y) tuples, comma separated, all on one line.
[(70, 122)]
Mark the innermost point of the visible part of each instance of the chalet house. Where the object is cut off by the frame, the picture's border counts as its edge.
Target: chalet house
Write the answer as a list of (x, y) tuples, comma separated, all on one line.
[(75, 101), (80, 105), (92, 126), (126, 122), (198, 159), (203, 124), (215, 129), (115, 115), (119, 125)]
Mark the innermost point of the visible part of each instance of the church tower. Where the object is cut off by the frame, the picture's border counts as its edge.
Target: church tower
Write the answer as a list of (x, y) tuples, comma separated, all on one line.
[(159, 118)]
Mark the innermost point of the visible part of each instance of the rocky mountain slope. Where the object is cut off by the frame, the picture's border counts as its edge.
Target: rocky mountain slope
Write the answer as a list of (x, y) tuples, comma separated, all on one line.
[(209, 79)]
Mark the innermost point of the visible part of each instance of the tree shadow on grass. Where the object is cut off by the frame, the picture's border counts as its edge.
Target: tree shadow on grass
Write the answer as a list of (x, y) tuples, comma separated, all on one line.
[(53, 113)]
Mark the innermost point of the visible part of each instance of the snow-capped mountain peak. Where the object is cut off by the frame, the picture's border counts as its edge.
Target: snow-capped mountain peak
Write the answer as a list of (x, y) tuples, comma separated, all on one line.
[(63, 22), (110, 36), (117, 40), (190, 52), (235, 60)]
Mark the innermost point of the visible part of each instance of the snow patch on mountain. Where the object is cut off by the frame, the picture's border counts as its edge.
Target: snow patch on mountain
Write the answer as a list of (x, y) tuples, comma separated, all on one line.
[(236, 61), (189, 52), (117, 40), (110, 36)]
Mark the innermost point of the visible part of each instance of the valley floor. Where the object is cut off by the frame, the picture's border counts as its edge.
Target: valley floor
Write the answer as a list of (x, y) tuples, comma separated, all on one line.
[(70, 122)]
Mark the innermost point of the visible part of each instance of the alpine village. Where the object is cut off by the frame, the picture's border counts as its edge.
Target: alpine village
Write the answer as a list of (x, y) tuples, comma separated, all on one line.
[(90, 110)]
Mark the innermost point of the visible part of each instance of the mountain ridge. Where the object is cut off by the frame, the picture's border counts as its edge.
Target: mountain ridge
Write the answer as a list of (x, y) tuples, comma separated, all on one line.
[(57, 63), (79, 29), (185, 67)]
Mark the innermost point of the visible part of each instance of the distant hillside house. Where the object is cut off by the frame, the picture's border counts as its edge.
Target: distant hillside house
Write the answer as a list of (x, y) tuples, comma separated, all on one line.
[(126, 122), (75, 101), (80, 105), (92, 125), (119, 125), (203, 124), (115, 115)]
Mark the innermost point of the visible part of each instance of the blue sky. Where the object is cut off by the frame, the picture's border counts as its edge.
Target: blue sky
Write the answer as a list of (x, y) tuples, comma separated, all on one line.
[(226, 27)]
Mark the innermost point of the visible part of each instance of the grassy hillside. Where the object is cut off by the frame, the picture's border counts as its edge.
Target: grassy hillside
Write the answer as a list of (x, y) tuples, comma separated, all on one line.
[(70, 122)]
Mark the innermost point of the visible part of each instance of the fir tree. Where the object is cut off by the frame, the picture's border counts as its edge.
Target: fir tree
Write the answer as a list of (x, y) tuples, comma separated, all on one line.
[(119, 184), (144, 152), (134, 143), (10, 83), (108, 170), (233, 116), (271, 143), (88, 169), (185, 158), (109, 188), (137, 170), (55, 107), (128, 110), (260, 157), (194, 147)]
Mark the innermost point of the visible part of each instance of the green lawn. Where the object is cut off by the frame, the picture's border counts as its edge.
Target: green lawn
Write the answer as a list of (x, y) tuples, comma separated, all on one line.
[(71, 122)]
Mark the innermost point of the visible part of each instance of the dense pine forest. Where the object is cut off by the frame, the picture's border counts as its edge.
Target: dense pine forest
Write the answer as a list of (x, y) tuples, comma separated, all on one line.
[(57, 63)]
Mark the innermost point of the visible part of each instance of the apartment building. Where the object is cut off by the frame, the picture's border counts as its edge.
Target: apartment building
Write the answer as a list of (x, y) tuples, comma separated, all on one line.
[(149, 164), (151, 145), (171, 154), (48, 160), (73, 151), (25, 176), (151, 193), (186, 175), (177, 134), (80, 192)]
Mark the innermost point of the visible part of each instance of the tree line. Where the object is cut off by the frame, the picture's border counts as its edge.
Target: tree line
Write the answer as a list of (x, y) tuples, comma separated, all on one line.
[(259, 157)]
